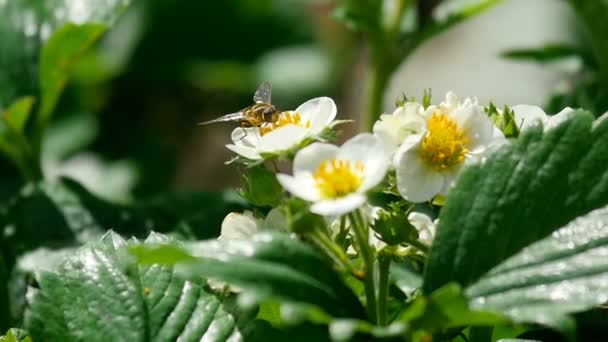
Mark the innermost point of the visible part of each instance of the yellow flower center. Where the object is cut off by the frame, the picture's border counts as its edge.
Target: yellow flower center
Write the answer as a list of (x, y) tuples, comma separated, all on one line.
[(287, 118), (338, 178), (444, 145)]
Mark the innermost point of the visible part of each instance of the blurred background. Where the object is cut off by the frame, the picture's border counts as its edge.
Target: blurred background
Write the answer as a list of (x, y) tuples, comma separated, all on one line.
[(132, 131)]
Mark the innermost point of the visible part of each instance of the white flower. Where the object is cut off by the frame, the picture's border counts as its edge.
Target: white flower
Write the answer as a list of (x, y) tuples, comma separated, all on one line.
[(527, 116), (456, 133), (406, 120), (237, 226), (293, 127), (335, 178), (424, 225)]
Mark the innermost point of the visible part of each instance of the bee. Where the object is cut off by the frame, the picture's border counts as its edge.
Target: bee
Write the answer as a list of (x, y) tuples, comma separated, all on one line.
[(260, 113)]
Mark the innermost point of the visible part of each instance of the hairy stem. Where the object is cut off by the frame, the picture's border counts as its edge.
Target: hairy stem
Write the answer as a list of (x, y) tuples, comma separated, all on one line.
[(384, 262), (334, 252), (362, 236)]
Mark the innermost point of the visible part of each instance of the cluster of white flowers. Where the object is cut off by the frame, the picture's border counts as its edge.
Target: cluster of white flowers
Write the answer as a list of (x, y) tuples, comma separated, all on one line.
[(426, 147), (430, 146)]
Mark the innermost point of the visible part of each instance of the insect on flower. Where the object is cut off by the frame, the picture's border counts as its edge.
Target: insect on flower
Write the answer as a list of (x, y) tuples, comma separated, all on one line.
[(257, 115)]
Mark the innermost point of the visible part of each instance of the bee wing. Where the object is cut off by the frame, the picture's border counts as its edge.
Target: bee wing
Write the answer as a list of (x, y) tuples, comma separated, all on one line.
[(264, 93), (225, 118)]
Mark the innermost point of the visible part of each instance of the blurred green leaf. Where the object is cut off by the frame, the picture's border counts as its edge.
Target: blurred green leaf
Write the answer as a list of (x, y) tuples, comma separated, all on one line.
[(360, 15), (261, 187), (16, 335), (437, 26), (24, 28), (559, 275), (58, 56), (15, 117), (97, 292), (547, 53), (592, 14), (521, 194), (406, 280), (268, 266), (447, 307), (12, 141)]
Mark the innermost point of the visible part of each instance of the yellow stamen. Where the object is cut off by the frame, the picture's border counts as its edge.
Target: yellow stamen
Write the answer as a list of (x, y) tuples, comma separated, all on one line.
[(287, 118), (338, 178), (445, 144)]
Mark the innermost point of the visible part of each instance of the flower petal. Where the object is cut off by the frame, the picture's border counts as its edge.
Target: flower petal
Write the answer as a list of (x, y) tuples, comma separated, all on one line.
[(309, 158), (320, 111), (476, 124), (282, 139), (369, 150), (557, 119), (247, 152), (248, 137), (415, 181), (527, 116), (238, 226), (338, 206), (302, 186)]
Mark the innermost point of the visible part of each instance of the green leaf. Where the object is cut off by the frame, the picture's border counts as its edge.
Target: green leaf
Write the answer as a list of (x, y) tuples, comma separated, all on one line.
[(16, 335), (15, 117), (261, 187), (466, 11), (360, 15), (24, 28), (559, 275), (12, 122), (590, 14), (520, 195), (406, 280), (58, 56), (445, 308), (545, 54), (269, 266), (98, 292)]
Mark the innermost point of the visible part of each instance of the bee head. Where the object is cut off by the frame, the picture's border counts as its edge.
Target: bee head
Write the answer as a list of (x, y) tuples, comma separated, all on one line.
[(270, 114)]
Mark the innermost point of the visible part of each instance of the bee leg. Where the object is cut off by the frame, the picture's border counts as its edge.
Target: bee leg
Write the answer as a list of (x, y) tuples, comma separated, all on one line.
[(243, 126)]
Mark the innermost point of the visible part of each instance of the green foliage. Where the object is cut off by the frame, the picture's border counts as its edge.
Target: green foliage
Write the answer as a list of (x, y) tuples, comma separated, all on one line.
[(394, 227), (445, 308), (261, 187), (559, 275), (520, 195), (26, 25), (16, 335), (547, 53), (123, 300), (59, 55), (504, 120), (269, 266)]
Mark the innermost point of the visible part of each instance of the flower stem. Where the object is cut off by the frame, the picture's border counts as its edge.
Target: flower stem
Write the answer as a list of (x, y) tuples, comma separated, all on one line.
[(384, 262), (334, 252), (378, 82), (362, 236)]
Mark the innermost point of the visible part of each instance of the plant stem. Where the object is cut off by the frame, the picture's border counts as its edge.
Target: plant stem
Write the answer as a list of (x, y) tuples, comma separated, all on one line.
[(384, 262), (362, 237), (378, 82), (334, 252)]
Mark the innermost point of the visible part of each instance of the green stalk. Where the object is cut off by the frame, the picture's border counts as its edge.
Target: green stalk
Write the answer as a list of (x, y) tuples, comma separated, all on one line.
[(362, 237), (378, 82), (333, 251), (384, 262), (384, 63)]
